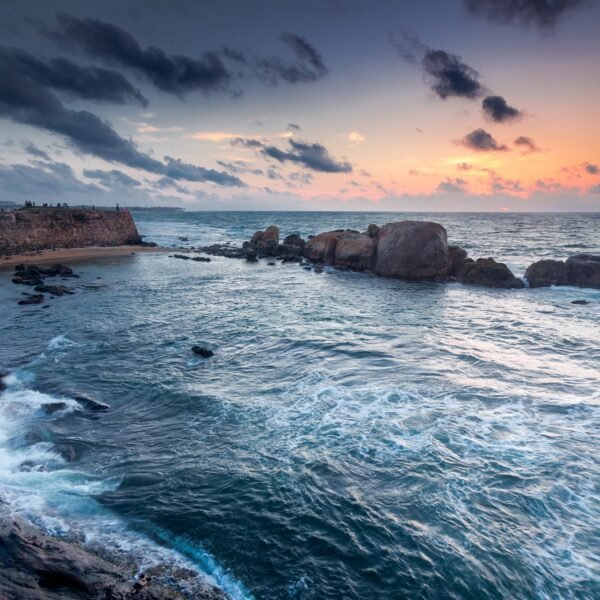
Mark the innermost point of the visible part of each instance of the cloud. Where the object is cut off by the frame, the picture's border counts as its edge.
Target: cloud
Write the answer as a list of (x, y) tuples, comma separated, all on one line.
[(542, 13), (502, 184), (595, 189), (294, 127), (174, 74), (482, 141), (213, 136), (311, 156), (239, 166), (33, 150), (464, 166), (112, 179), (452, 186), (448, 76), (356, 137), (591, 169), (309, 65), (497, 109), (177, 169), (70, 79), (408, 45), (527, 144)]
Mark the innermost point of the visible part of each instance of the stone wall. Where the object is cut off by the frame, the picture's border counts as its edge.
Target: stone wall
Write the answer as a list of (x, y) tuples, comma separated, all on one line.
[(30, 229)]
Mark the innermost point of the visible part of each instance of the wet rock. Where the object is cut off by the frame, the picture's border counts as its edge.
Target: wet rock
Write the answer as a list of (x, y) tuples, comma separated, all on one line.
[(582, 302), (489, 273), (202, 351), (200, 259), (31, 299), (51, 407), (53, 290), (266, 241), (355, 251), (458, 256), (89, 402), (321, 248), (412, 249), (294, 240), (318, 268), (544, 273), (183, 238), (583, 270), (373, 231), (181, 256)]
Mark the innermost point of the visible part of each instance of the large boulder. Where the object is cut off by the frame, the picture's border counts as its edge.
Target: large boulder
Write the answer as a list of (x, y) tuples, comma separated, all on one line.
[(373, 231), (355, 251), (294, 240), (487, 272), (321, 248), (266, 241), (458, 257), (583, 270), (412, 249), (544, 273)]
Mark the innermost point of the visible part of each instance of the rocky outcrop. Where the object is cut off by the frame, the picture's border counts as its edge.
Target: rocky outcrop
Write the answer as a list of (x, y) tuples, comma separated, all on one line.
[(35, 566), (355, 251), (412, 250), (544, 273), (458, 257), (487, 272), (266, 241), (31, 229), (581, 270), (321, 248)]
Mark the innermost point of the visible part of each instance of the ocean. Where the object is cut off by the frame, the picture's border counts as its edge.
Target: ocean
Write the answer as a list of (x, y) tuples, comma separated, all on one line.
[(352, 437)]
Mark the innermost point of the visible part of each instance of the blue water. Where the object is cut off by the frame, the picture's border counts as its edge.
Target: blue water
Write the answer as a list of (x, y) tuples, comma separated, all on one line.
[(352, 437)]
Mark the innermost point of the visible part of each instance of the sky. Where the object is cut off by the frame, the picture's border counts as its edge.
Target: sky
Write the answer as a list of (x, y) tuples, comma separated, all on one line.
[(420, 105)]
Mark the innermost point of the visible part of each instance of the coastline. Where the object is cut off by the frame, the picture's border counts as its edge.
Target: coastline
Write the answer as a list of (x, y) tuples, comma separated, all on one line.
[(76, 254)]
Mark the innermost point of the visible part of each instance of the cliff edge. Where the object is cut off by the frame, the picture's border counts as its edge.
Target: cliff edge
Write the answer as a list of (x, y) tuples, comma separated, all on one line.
[(30, 229)]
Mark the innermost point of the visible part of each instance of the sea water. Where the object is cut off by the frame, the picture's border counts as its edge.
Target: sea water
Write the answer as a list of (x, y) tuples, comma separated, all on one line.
[(352, 437)]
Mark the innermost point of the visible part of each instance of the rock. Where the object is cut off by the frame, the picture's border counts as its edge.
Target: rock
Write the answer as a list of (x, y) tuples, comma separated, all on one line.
[(53, 290), (318, 268), (355, 251), (266, 241), (544, 273), (458, 256), (487, 272), (90, 402), (36, 566), (271, 263), (182, 256), (31, 299), (373, 231), (56, 270), (321, 248), (250, 254), (2, 384), (202, 351), (200, 259), (294, 240), (183, 238), (583, 270), (412, 249), (51, 407), (583, 302)]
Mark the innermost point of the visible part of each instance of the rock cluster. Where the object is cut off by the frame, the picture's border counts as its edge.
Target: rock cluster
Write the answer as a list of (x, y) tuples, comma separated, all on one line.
[(582, 270), (34, 275)]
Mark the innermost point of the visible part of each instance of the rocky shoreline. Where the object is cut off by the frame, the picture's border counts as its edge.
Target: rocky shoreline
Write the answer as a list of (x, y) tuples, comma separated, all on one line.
[(37, 566), (412, 250)]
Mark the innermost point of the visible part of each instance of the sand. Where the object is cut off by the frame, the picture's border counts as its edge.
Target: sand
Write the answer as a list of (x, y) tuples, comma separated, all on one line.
[(69, 255)]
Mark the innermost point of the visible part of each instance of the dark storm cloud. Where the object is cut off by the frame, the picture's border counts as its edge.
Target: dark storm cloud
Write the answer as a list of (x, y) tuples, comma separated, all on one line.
[(542, 13), (25, 101), (449, 76), (526, 143), (174, 74), (311, 156), (592, 169), (309, 65), (33, 150), (112, 178), (497, 109), (482, 141), (70, 79)]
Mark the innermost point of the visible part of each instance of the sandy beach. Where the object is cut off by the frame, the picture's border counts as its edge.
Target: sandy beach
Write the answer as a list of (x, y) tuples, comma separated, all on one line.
[(75, 254)]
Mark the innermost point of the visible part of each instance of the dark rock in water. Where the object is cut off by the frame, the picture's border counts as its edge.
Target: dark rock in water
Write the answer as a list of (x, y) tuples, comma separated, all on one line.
[(544, 273), (583, 302), (355, 251), (90, 402), (373, 231), (294, 240), (250, 255), (458, 257), (583, 270), (36, 566), (318, 268), (2, 384), (487, 272), (413, 250), (149, 244), (32, 299), (54, 290), (271, 263), (201, 259), (266, 241), (182, 256), (183, 238), (202, 351), (56, 270), (51, 407)]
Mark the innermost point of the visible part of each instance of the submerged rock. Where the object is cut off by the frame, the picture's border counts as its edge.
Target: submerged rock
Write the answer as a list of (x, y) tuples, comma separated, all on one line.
[(31, 299), (412, 250), (89, 402), (489, 273), (544, 273), (583, 302), (202, 351), (53, 290)]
